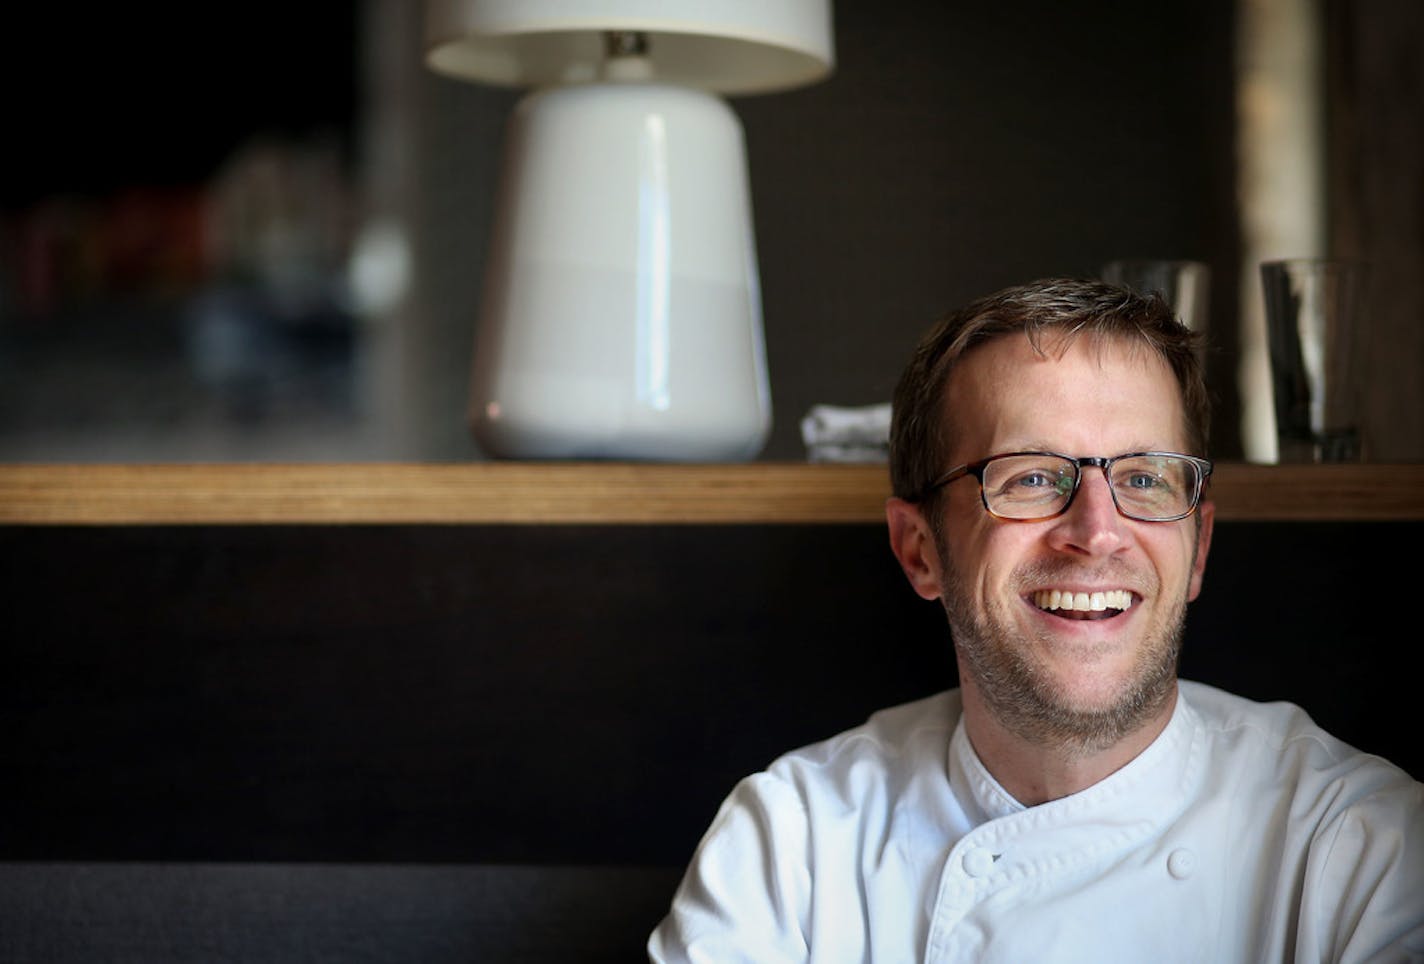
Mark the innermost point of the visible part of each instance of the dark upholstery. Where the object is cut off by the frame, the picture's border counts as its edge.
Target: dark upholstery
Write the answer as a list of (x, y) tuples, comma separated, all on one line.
[(134, 913)]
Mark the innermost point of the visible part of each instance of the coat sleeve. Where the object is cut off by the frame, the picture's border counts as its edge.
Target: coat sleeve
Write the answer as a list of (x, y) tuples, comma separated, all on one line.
[(746, 893), (1364, 893)]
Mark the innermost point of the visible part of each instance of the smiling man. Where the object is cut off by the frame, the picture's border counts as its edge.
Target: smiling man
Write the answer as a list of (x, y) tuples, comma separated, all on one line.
[(1071, 799), (1066, 686)]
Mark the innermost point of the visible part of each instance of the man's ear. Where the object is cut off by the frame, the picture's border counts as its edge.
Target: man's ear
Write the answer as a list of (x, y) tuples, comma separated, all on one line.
[(912, 540), (1207, 511)]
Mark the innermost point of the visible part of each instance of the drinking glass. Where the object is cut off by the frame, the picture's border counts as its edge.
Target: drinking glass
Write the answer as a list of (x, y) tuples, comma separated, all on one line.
[(1185, 285), (1313, 320)]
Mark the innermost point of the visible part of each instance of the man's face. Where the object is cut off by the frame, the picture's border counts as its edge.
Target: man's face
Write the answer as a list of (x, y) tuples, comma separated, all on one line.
[(1060, 675)]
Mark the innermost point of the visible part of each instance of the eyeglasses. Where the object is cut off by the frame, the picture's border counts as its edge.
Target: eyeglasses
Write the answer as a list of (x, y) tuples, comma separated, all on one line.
[(1033, 486)]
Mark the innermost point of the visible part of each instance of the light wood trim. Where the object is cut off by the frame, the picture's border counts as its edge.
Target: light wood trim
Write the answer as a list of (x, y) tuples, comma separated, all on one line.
[(596, 493), (480, 492)]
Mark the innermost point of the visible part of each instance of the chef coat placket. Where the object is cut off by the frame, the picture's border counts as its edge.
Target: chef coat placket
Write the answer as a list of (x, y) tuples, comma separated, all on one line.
[(1017, 857)]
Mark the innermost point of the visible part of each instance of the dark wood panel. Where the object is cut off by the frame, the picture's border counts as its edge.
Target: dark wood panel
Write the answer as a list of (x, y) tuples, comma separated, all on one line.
[(559, 694)]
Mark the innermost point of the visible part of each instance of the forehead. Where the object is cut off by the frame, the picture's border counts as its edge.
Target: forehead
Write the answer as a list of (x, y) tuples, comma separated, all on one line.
[(1087, 396)]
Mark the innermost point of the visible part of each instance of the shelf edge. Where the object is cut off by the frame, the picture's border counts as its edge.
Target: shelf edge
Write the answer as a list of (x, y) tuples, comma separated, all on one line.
[(521, 493)]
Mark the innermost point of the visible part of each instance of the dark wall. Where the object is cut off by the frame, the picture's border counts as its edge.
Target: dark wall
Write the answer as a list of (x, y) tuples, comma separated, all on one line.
[(959, 148), (545, 695)]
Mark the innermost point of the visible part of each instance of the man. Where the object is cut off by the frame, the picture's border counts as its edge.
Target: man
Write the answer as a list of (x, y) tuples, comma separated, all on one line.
[(1071, 800)]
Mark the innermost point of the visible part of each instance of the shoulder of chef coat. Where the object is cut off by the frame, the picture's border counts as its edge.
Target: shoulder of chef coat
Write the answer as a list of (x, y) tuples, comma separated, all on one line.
[(1351, 824)]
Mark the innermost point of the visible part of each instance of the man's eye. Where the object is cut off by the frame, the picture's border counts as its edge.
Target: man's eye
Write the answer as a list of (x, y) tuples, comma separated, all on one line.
[(1040, 483), (1142, 480)]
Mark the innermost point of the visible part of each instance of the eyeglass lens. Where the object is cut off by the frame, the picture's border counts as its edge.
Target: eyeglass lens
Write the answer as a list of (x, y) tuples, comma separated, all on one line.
[(1149, 487)]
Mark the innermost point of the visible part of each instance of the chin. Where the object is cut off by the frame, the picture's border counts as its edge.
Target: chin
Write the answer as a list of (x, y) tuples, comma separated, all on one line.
[(1083, 711), (1098, 690)]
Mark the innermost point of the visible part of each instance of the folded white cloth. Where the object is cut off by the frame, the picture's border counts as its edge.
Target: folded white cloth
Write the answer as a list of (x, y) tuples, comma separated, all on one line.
[(836, 433)]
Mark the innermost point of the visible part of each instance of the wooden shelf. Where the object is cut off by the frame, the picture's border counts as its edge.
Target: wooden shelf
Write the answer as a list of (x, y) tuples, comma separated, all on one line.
[(596, 493)]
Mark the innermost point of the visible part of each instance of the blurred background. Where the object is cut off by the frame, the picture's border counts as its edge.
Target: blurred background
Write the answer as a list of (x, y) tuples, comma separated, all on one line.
[(259, 235), (262, 239)]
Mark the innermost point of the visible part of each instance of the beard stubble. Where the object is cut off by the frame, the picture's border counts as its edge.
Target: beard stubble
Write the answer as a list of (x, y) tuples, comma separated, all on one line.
[(1022, 694)]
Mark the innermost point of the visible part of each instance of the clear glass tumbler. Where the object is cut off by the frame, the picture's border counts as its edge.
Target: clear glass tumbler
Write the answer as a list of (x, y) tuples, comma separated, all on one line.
[(1314, 314)]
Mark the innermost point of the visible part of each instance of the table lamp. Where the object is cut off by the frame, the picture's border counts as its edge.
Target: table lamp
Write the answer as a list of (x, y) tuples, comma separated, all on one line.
[(620, 315)]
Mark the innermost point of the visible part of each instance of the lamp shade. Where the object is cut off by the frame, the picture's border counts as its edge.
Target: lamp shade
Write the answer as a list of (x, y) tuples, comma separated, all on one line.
[(620, 314), (725, 46)]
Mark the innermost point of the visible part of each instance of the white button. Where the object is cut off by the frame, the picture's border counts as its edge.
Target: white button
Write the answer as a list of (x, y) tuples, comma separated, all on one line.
[(978, 862), (1181, 863)]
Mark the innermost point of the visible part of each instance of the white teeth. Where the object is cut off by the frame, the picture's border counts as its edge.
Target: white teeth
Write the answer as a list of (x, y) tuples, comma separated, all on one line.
[(1081, 601)]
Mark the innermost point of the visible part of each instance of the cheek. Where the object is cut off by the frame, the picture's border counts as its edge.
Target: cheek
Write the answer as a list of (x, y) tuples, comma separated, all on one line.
[(1178, 564), (983, 555)]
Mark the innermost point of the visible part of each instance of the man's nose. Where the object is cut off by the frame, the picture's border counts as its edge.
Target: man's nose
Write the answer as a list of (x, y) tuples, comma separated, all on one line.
[(1092, 525)]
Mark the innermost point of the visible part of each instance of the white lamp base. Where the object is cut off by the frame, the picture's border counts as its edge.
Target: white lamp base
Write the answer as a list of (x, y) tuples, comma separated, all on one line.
[(621, 314)]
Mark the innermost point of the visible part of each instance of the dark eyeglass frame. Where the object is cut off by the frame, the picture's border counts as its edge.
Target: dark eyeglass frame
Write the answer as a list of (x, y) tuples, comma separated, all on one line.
[(976, 469)]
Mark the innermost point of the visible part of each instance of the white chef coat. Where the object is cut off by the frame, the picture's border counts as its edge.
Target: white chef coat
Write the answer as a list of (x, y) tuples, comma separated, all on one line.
[(1243, 833)]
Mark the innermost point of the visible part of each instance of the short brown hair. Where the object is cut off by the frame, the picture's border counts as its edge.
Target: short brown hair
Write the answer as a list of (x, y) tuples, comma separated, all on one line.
[(1065, 306)]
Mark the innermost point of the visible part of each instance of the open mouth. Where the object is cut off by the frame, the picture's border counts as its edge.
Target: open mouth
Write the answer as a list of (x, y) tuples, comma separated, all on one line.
[(1084, 605)]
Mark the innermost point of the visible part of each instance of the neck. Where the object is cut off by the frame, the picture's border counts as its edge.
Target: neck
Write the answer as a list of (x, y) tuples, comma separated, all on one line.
[(1035, 770)]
